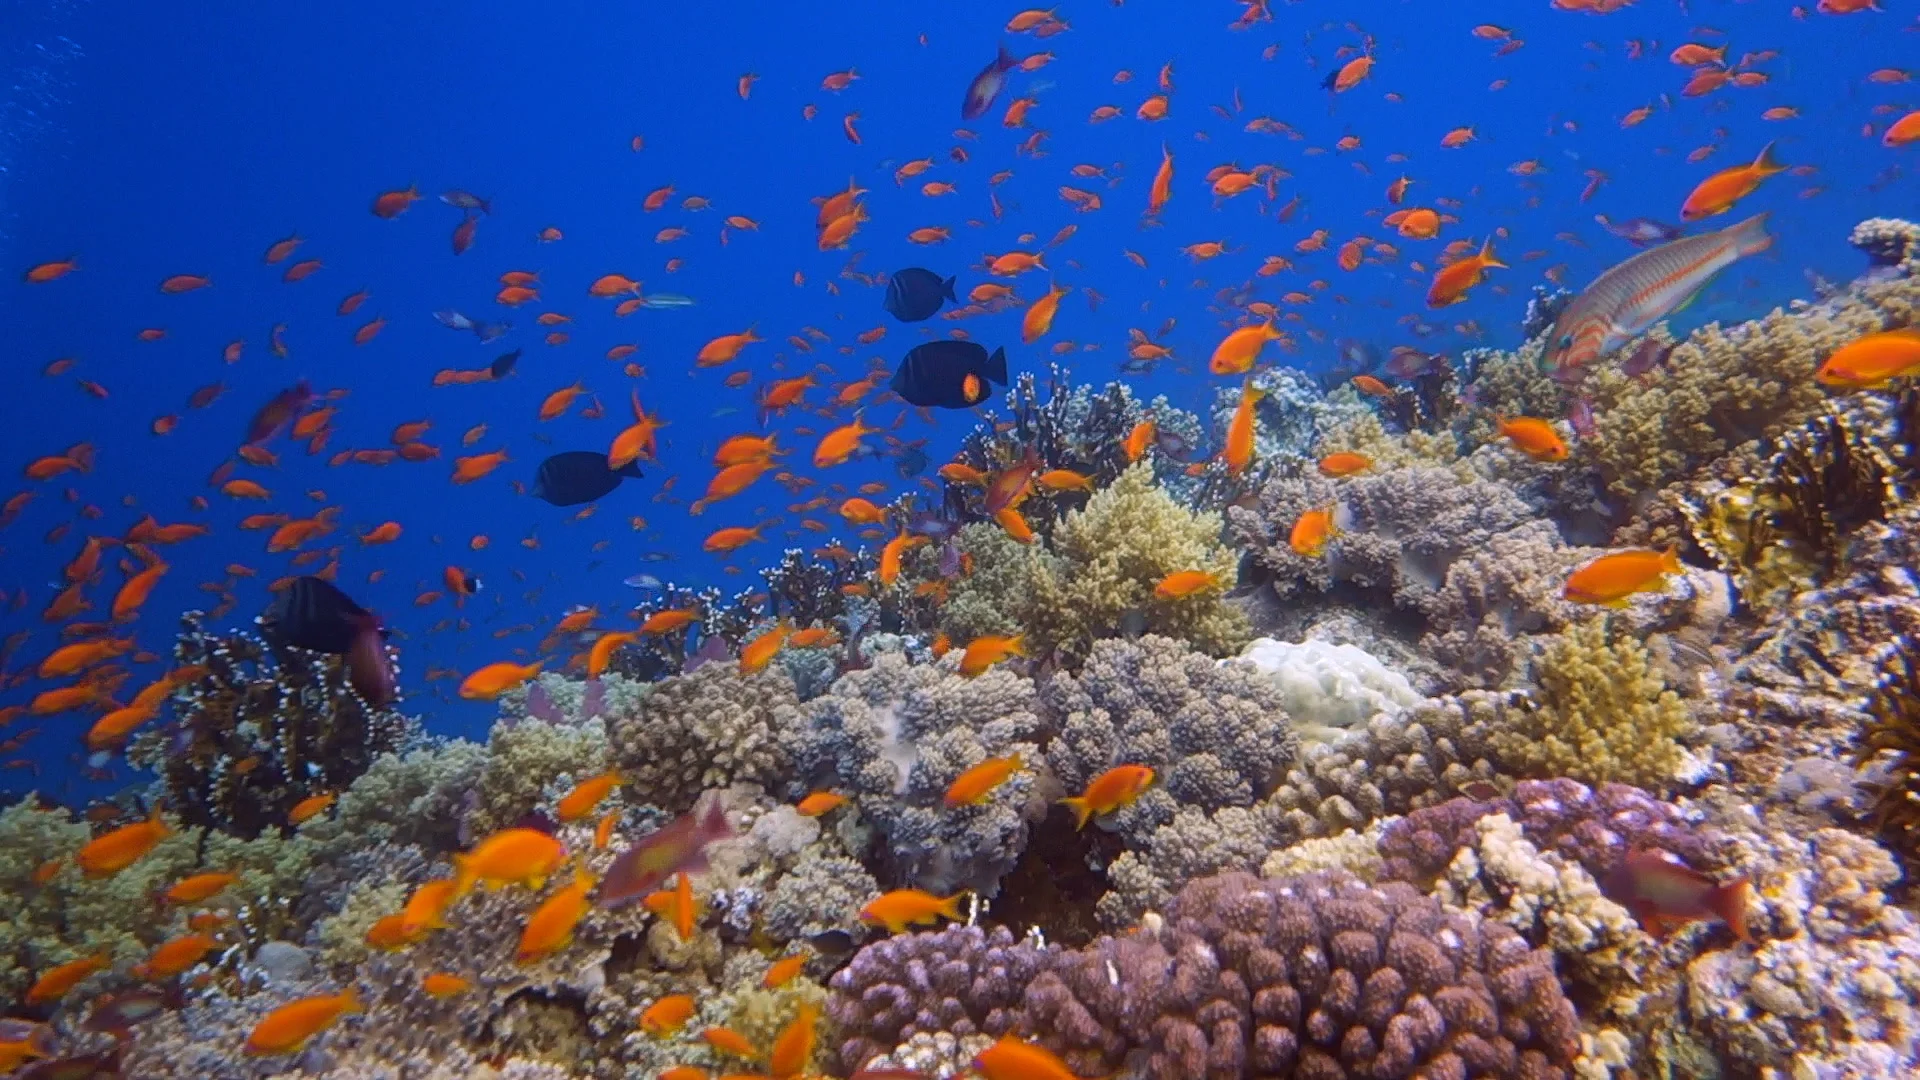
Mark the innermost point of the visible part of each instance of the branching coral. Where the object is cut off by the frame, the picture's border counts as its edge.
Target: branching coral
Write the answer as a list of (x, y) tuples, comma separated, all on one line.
[(1723, 386), (1602, 712), (1097, 575), (693, 733), (267, 725)]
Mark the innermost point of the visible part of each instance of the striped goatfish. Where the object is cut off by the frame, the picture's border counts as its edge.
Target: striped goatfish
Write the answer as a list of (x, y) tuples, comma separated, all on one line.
[(1626, 301)]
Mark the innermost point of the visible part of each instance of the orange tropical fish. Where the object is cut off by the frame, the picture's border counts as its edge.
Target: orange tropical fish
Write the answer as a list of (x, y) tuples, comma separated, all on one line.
[(468, 469), (310, 807), (1136, 442), (1533, 437), (1237, 351), (987, 650), (783, 971), (1614, 577), (1872, 361), (1015, 1059), (199, 887), (1111, 790), (666, 622), (732, 538), (840, 444), (51, 271), (1038, 319), (1184, 583), (601, 654), (729, 1041), (819, 803), (426, 908), (492, 680), (1313, 530), (1344, 463), (56, 982), (1241, 429), (756, 654), (667, 1015), (550, 928), (392, 204), (175, 956), (108, 854), (511, 856), (586, 796), (287, 1029), (902, 908), (440, 984), (1718, 193), (793, 1048), (971, 788), (1451, 282)]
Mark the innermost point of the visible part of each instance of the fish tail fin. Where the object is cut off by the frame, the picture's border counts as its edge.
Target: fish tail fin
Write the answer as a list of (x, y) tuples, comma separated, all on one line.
[(950, 907), (1766, 164), (1018, 646), (1751, 237), (997, 366), (1729, 901), (947, 285), (1082, 810), (463, 877), (1487, 257), (1670, 559)]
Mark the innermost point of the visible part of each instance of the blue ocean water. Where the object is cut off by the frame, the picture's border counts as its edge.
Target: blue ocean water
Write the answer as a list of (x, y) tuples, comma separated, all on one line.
[(145, 143)]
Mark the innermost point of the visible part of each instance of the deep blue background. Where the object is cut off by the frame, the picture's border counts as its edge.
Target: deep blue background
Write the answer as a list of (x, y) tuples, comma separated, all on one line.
[(149, 142)]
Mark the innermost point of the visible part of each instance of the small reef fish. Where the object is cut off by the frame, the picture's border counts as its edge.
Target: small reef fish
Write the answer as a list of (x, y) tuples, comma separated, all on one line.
[(818, 803), (1872, 361), (1665, 895), (550, 928), (1533, 437), (667, 1015), (987, 650), (1344, 463), (287, 1029), (489, 682), (1016, 1059), (509, 857), (1184, 583), (971, 788), (585, 797), (112, 852), (1617, 575), (440, 984), (1111, 790), (1717, 193), (1314, 529), (902, 908)]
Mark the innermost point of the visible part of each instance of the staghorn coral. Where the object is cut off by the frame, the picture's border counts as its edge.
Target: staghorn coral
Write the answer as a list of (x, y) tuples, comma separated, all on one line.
[(1602, 712), (1318, 975), (1215, 734), (693, 733), (267, 725), (894, 737)]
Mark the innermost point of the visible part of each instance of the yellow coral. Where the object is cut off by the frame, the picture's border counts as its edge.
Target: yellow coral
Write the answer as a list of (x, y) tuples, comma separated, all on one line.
[(1364, 434), (1722, 387), (1602, 712), (1097, 578)]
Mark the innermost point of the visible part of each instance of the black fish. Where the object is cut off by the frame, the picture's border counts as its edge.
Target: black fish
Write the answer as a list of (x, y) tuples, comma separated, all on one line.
[(914, 294), (314, 614), (910, 459), (579, 476), (949, 374), (986, 85), (502, 365)]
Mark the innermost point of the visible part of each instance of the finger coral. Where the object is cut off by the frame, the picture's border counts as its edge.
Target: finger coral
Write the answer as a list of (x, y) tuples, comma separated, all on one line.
[(1602, 712)]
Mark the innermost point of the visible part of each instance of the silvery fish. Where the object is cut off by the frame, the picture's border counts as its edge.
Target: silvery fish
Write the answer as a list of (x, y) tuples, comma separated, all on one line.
[(662, 300), (1624, 302)]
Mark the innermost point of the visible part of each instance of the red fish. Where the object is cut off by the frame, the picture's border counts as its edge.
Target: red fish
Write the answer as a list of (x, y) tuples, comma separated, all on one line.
[(679, 846)]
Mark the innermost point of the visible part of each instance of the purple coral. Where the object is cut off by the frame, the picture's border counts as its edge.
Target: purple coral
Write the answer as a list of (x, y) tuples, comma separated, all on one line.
[(1594, 827), (961, 979), (1319, 977)]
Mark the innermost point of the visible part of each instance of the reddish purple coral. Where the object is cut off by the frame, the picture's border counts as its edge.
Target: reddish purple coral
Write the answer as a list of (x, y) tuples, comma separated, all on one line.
[(1595, 827), (1319, 977)]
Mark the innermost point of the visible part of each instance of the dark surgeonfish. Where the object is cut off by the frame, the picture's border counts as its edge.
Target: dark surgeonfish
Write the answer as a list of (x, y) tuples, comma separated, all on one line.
[(502, 365), (573, 477), (914, 295), (949, 374), (314, 614)]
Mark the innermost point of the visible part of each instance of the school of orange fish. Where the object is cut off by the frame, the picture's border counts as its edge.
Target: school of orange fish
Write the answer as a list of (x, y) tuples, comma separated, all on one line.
[(80, 688)]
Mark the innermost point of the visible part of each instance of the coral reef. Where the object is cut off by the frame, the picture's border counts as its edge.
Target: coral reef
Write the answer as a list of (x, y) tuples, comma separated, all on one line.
[(1602, 712), (1319, 975), (1326, 688), (894, 737), (697, 732), (1096, 576), (1215, 734), (266, 725)]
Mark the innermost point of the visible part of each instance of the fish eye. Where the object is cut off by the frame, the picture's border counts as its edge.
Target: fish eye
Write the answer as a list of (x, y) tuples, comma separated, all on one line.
[(1565, 342)]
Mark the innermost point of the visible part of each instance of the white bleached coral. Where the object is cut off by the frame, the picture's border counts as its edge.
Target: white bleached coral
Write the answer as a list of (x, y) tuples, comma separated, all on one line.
[(1325, 687)]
